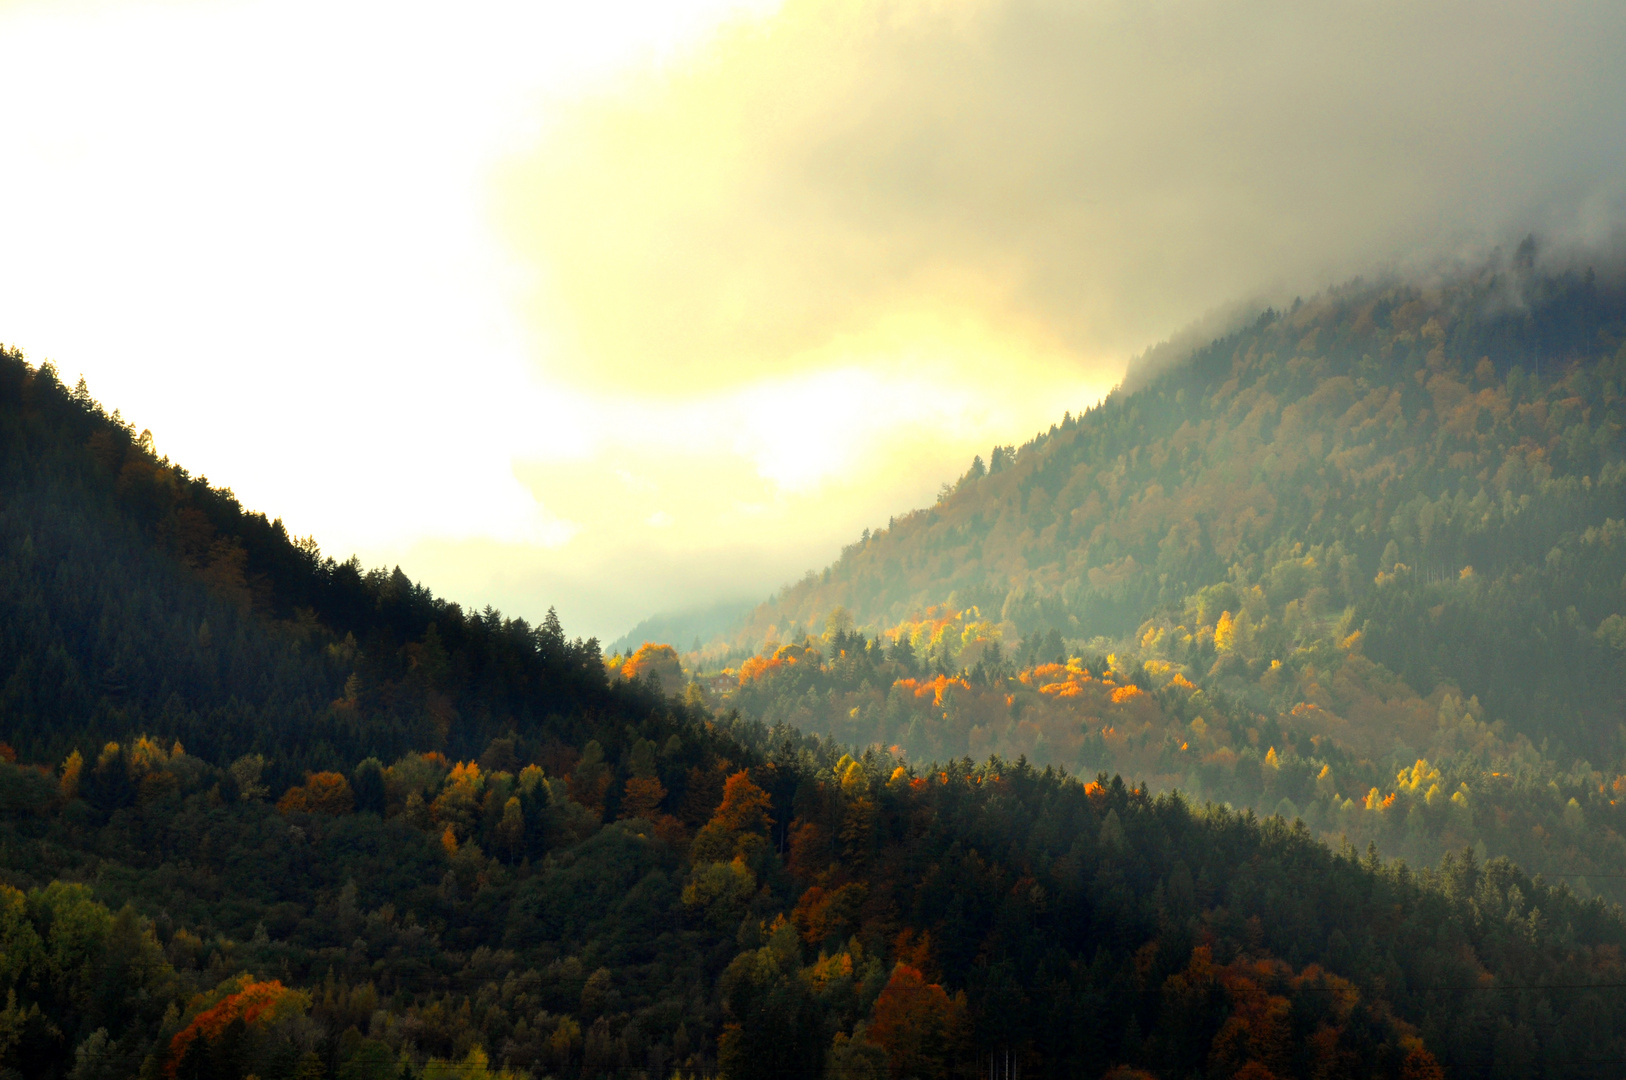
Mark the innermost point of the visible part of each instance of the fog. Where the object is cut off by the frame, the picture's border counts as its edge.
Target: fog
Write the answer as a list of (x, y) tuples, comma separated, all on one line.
[(1072, 180)]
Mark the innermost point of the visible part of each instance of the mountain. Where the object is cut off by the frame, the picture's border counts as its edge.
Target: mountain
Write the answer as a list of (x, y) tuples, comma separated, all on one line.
[(1361, 561), (140, 598), (690, 627), (1402, 430), (264, 813)]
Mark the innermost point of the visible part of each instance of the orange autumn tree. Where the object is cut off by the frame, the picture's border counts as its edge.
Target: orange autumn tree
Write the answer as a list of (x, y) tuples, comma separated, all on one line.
[(1420, 1065), (322, 793), (253, 1003), (659, 661), (822, 913), (785, 656), (744, 807), (918, 1024), (644, 791), (739, 825), (642, 798)]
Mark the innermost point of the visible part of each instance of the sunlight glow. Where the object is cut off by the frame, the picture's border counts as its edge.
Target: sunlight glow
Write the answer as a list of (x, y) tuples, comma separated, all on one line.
[(633, 305), (265, 231)]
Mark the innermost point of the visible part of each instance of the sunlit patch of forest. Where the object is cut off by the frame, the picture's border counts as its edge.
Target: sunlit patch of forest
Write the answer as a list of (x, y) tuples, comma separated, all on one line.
[(264, 813)]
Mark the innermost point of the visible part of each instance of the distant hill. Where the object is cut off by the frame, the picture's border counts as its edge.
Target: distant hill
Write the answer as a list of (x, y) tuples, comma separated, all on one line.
[(1361, 562), (688, 629), (1454, 454)]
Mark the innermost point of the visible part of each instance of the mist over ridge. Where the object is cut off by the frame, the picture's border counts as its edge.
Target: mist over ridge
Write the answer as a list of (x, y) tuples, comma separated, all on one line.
[(1076, 179), (984, 206)]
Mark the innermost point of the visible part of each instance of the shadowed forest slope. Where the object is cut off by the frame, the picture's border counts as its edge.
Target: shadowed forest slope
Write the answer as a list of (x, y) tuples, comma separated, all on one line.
[(137, 597)]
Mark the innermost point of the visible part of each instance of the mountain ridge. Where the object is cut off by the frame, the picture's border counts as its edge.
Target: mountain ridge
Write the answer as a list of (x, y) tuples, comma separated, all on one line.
[(1129, 508)]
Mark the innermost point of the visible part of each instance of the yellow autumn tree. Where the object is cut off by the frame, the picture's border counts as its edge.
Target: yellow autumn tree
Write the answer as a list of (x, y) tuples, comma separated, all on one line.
[(71, 771), (511, 829)]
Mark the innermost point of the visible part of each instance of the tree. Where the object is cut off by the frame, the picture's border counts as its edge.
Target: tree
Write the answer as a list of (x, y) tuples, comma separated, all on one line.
[(511, 829), (590, 780), (322, 793), (644, 792), (917, 1023), (773, 1032), (655, 663), (744, 807)]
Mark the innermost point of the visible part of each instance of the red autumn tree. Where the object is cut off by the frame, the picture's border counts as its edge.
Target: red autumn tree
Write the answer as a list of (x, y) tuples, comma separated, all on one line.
[(917, 1023), (255, 1001), (322, 793)]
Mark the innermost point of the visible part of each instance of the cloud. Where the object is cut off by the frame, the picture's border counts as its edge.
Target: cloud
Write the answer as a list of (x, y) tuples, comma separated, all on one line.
[(1069, 180), (448, 286)]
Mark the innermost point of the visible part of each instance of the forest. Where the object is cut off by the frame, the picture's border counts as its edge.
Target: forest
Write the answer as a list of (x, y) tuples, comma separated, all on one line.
[(265, 813), (1362, 562)]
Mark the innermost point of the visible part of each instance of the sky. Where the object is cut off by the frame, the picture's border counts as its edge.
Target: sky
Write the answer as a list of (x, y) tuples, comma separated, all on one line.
[(626, 307)]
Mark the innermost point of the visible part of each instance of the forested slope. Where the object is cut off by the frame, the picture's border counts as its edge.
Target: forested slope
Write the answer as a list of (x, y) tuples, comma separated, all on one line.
[(263, 813), (1362, 561), (1454, 456), (137, 597)]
